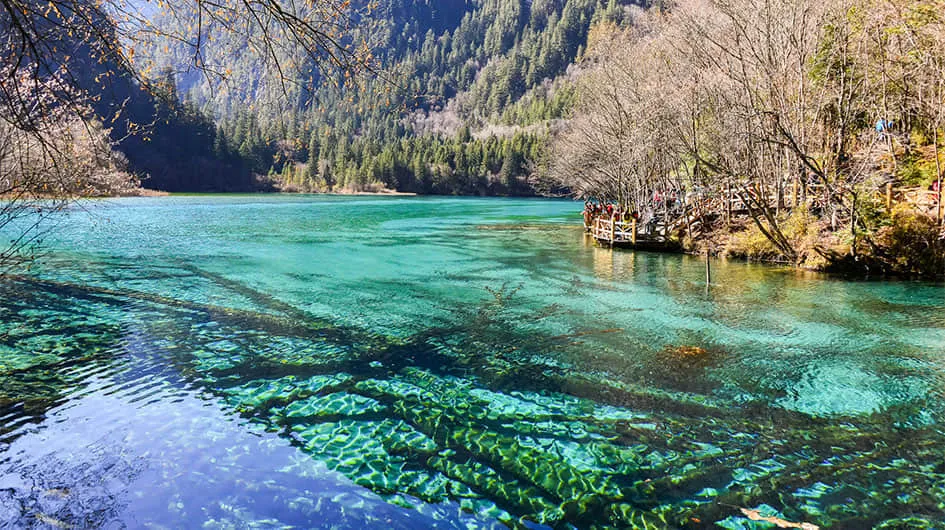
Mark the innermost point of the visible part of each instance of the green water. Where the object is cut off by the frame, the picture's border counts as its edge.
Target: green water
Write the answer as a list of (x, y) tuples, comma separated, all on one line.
[(317, 362)]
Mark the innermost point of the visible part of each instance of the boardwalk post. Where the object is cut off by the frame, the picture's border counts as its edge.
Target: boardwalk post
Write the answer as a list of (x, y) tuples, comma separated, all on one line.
[(708, 270), (613, 230), (938, 200), (634, 233)]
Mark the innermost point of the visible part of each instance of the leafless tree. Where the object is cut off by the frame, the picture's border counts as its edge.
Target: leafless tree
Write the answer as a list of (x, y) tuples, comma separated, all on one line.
[(59, 159), (741, 102)]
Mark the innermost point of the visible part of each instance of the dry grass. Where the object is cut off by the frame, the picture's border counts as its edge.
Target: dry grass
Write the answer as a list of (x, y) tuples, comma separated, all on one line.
[(911, 245), (805, 232)]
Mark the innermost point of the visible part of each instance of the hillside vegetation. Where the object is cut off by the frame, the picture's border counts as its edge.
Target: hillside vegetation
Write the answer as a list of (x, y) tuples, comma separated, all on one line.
[(803, 131), (464, 96)]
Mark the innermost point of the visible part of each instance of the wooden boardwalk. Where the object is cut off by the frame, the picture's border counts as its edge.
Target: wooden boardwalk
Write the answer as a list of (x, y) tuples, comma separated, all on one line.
[(656, 234), (627, 234)]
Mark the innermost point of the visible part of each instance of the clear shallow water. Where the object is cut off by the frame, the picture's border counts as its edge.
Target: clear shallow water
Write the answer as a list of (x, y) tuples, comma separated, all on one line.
[(453, 363)]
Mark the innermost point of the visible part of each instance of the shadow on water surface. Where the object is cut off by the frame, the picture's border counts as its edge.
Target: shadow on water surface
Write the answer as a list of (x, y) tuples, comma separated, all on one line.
[(121, 426)]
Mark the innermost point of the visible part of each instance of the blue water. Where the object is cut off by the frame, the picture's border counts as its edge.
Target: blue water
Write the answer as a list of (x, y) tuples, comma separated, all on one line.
[(309, 361)]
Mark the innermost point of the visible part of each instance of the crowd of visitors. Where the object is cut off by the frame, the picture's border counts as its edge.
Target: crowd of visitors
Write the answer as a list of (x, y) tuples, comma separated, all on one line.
[(660, 201), (610, 211)]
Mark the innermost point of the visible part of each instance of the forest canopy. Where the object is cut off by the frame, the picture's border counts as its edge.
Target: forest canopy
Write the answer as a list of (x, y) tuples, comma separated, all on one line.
[(465, 95)]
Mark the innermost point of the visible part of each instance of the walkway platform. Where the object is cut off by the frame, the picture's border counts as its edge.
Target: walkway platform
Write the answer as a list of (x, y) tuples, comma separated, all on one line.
[(626, 234)]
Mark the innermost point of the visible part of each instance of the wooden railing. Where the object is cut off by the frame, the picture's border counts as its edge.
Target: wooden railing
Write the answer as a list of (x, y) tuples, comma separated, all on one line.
[(613, 231), (608, 229), (921, 199), (926, 199)]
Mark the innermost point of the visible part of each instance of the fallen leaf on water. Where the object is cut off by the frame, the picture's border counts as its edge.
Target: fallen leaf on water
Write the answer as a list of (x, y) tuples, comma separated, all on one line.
[(755, 515), (690, 351)]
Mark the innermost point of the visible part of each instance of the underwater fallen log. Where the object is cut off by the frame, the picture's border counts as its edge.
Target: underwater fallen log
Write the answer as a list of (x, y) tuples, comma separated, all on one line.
[(313, 329), (258, 297)]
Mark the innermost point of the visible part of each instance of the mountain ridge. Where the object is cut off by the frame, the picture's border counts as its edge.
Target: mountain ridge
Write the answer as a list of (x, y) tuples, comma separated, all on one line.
[(465, 97)]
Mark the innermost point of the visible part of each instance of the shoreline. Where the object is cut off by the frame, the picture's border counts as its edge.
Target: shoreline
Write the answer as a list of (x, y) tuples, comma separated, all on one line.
[(156, 193), (386, 193), (137, 192), (145, 192), (895, 251), (839, 270)]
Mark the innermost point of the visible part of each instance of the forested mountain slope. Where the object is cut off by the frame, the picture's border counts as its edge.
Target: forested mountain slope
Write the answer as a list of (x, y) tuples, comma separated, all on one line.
[(465, 95), (169, 144), (63, 72)]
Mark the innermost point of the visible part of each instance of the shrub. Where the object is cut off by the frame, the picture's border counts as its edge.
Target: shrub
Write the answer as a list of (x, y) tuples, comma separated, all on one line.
[(911, 245), (751, 244), (801, 228)]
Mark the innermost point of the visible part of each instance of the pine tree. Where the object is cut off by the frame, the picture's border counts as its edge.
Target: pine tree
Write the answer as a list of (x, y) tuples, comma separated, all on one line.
[(221, 148), (311, 169)]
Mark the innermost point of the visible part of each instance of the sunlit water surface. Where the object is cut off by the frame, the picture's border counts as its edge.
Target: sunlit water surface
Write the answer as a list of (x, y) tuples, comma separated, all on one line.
[(322, 362)]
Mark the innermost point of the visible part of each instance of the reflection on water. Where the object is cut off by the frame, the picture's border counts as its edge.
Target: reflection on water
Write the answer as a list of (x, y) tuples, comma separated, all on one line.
[(450, 363)]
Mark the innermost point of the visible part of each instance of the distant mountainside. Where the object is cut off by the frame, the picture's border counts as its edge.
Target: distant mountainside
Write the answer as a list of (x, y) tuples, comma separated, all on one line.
[(467, 92), (168, 143)]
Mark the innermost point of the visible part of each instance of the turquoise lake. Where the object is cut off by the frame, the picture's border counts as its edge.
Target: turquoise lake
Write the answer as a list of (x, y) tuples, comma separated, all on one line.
[(399, 362)]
